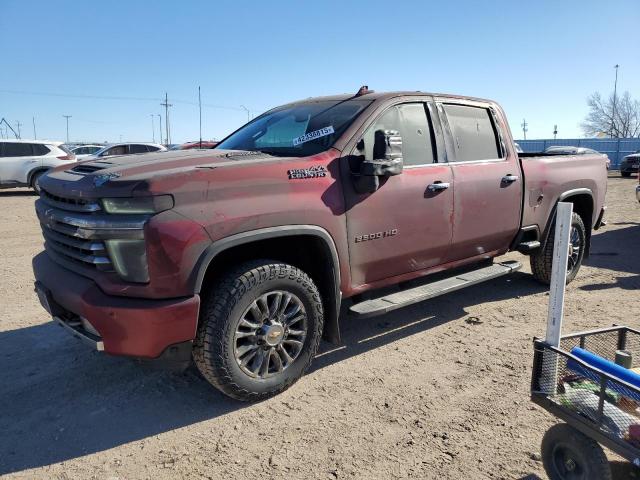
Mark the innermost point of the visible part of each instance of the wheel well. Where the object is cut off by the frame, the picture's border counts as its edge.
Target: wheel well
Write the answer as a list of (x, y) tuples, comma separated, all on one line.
[(34, 172), (583, 206), (309, 253)]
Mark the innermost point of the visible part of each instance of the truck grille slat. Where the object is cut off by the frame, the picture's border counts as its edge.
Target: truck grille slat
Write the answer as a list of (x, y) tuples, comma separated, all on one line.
[(87, 246), (75, 205), (75, 254), (64, 239)]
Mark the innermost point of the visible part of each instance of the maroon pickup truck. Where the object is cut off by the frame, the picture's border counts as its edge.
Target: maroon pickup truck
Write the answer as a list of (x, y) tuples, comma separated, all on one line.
[(240, 257)]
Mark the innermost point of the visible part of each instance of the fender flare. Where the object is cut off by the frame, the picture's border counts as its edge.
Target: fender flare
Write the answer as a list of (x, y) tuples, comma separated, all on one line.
[(331, 326), (563, 196)]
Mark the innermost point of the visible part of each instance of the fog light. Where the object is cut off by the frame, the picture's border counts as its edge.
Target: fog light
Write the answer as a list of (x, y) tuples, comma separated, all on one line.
[(129, 258)]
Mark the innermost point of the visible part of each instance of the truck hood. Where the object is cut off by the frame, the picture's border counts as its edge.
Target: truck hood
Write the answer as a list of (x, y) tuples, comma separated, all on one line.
[(129, 175)]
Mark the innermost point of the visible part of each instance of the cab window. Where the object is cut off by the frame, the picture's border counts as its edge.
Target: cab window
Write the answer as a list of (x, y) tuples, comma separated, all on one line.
[(411, 122), (473, 131)]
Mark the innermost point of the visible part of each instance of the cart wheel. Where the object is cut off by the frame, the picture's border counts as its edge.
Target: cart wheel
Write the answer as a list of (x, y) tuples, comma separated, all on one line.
[(569, 454)]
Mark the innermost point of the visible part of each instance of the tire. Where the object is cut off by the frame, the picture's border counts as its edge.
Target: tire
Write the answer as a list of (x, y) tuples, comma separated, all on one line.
[(34, 181), (243, 324), (625, 174), (542, 260), (568, 453)]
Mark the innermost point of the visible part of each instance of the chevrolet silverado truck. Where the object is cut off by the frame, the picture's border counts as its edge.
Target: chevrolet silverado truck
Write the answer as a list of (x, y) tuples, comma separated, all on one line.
[(240, 257)]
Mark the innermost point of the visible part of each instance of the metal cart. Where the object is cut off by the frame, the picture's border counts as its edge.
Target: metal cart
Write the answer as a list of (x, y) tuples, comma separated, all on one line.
[(597, 408)]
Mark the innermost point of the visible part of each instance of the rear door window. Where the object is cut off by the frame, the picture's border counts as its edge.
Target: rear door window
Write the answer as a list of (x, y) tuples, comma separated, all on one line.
[(17, 149), (473, 131), (39, 149)]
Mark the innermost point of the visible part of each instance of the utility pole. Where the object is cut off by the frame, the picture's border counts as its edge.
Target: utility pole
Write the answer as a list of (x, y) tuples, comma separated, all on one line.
[(153, 129), (160, 118), (18, 125), (166, 106), (524, 128), (35, 137), (615, 89), (67, 117), (555, 131), (200, 108), (247, 110)]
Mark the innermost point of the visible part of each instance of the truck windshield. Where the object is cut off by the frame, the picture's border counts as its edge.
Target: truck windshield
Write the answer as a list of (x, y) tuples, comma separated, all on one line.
[(299, 130)]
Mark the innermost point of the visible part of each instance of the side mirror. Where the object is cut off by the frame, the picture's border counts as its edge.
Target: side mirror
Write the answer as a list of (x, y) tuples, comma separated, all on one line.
[(387, 161)]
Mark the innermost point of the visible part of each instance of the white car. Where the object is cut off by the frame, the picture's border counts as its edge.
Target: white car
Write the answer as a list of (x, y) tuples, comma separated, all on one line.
[(22, 162), (126, 149), (83, 151)]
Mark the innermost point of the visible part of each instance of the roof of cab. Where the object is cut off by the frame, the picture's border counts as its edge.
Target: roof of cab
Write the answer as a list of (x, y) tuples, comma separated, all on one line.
[(373, 96)]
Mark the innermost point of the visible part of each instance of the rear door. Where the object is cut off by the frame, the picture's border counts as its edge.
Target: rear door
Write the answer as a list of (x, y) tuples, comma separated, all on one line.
[(402, 227), (488, 183), (17, 159)]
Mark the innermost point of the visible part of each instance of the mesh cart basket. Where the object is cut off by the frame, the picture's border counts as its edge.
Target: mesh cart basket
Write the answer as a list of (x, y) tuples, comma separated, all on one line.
[(597, 407)]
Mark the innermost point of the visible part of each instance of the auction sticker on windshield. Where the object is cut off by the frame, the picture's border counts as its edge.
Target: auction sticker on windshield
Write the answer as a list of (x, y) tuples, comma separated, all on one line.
[(307, 137)]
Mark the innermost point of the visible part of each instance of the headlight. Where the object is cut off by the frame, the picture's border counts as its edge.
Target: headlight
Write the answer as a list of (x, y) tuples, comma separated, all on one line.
[(129, 258), (138, 205)]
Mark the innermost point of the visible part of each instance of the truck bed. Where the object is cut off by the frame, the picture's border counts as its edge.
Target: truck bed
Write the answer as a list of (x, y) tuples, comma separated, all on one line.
[(548, 177)]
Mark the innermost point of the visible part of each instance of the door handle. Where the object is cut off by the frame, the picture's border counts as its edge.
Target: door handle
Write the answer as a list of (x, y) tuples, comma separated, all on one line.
[(437, 186), (509, 178)]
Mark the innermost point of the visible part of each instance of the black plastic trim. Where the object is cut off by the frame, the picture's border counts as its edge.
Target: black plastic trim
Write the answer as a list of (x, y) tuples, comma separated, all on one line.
[(331, 327)]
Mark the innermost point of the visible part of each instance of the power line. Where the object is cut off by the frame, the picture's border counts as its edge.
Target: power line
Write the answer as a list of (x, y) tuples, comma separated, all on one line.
[(114, 97)]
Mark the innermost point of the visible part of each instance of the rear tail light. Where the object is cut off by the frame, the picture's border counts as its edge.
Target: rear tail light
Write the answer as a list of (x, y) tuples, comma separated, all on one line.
[(69, 156)]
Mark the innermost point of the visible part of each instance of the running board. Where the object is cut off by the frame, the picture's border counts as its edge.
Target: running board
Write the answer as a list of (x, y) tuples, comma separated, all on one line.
[(387, 303)]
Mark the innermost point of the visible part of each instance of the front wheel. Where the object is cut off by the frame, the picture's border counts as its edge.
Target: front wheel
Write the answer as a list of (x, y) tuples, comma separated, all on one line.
[(260, 327), (569, 454), (542, 260)]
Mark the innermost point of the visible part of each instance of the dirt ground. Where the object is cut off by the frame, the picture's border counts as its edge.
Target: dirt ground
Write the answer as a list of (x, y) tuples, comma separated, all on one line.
[(420, 393)]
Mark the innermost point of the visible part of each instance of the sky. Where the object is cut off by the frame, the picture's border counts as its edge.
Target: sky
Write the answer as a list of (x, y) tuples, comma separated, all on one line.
[(109, 64)]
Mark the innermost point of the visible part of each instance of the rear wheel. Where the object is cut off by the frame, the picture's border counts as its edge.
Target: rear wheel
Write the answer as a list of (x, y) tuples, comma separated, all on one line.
[(542, 260), (260, 329), (568, 454)]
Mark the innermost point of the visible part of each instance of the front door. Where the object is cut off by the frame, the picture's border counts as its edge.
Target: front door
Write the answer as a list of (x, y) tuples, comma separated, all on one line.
[(403, 226), (488, 197)]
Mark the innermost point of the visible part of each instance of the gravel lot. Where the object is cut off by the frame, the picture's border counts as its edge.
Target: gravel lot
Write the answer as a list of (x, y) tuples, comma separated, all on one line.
[(421, 393)]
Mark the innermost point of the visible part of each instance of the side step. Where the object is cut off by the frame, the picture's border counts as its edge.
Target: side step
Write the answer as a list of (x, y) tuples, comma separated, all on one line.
[(387, 303), (529, 246)]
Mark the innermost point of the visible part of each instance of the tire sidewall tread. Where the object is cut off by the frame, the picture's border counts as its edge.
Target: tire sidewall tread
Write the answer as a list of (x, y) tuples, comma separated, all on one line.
[(541, 262), (229, 297)]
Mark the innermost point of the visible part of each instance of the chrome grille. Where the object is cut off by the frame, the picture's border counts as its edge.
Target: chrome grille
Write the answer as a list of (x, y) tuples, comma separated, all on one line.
[(64, 239)]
